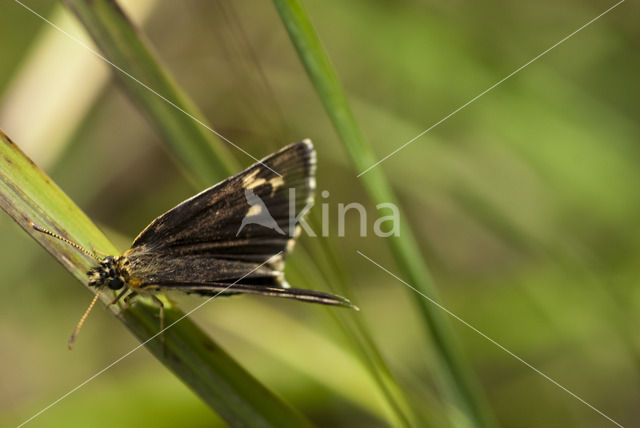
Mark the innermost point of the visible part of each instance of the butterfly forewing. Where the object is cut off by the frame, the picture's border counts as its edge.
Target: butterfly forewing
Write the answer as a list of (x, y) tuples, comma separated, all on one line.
[(223, 234)]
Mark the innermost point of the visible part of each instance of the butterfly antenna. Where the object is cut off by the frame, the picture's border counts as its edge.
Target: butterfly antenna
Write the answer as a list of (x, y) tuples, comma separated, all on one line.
[(63, 239), (83, 318)]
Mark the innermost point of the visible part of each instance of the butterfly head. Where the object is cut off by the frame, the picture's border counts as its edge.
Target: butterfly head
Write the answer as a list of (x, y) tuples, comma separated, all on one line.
[(108, 272)]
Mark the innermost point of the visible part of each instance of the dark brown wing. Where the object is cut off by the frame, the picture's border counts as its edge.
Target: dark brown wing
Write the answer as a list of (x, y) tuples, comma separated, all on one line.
[(193, 274), (236, 232), (211, 222)]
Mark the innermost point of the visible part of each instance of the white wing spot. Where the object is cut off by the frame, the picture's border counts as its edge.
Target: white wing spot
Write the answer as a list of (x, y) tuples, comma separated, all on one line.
[(254, 210), (275, 183), (251, 182)]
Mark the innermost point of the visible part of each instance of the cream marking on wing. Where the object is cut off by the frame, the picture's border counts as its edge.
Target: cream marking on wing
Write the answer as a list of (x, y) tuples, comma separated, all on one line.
[(254, 210), (250, 179), (290, 244), (251, 182), (276, 182)]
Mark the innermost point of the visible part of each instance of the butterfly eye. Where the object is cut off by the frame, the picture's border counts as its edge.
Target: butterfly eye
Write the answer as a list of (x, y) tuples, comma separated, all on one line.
[(116, 283)]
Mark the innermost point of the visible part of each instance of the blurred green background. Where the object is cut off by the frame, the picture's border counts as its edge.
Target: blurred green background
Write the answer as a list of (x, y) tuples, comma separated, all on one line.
[(525, 204)]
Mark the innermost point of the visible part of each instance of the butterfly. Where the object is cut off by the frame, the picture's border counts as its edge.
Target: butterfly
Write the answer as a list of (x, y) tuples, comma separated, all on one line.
[(231, 238)]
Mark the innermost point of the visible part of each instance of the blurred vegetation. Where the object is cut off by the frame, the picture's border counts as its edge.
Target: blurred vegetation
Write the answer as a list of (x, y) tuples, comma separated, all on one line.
[(524, 205)]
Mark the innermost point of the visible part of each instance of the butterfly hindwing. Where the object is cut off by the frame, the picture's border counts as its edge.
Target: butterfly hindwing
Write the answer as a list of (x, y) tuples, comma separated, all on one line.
[(193, 275), (216, 289)]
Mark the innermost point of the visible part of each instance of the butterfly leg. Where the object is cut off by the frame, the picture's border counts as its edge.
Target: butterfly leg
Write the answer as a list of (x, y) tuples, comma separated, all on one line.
[(126, 300), (161, 315), (122, 293)]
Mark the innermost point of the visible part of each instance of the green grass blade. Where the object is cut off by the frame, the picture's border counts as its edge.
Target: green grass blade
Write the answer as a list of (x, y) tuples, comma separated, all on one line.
[(455, 375), (27, 194), (145, 80), (357, 331)]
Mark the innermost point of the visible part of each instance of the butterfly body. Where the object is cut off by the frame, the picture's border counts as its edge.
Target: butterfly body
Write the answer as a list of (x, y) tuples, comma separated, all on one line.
[(111, 272)]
